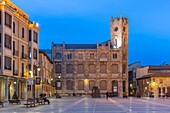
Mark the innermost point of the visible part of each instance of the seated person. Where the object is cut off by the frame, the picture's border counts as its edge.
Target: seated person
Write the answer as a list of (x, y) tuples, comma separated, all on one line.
[(46, 100)]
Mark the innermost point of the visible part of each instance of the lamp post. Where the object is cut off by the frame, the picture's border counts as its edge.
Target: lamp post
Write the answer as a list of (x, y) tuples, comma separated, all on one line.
[(148, 87)]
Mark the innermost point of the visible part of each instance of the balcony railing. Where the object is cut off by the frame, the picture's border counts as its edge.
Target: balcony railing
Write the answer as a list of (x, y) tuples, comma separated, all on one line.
[(15, 52), (7, 67), (15, 72), (24, 56)]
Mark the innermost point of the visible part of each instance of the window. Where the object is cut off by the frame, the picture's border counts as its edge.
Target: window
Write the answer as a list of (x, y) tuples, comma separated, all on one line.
[(22, 49), (114, 68), (8, 20), (58, 68), (58, 56), (8, 42), (29, 52), (22, 71), (124, 29), (124, 69), (80, 85), (80, 56), (103, 85), (28, 87), (13, 27), (92, 68), (91, 55), (35, 70), (22, 32), (103, 68), (80, 69), (69, 56), (114, 56), (30, 35), (103, 56), (161, 81), (69, 68), (35, 37), (69, 85), (124, 86), (91, 84), (35, 53), (7, 63)]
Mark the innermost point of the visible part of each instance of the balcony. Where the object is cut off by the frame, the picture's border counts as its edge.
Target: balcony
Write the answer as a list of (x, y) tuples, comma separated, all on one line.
[(15, 52), (24, 56), (7, 67), (15, 72)]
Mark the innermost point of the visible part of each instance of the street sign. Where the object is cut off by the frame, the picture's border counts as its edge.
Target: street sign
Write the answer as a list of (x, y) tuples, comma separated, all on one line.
[(38, 80), (30, 81)]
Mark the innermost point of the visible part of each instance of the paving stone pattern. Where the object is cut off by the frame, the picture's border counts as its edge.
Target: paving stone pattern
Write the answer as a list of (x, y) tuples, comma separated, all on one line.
[(99, 105)]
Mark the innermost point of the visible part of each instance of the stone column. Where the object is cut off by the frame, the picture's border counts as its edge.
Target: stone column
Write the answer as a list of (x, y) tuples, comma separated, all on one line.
[(17, 87), (25, 90), (6, 81)]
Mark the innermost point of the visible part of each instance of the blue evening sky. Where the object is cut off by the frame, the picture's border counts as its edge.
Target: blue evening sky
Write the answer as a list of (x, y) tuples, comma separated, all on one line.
[(88, 21)]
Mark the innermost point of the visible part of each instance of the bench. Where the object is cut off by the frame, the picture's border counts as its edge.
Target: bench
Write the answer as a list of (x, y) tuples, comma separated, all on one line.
[(2, 103), (30, 101), (14, 101), (41, 101)]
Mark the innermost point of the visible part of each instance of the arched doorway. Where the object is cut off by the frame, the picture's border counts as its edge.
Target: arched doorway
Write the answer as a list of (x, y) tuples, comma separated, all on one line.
[(115, 87)]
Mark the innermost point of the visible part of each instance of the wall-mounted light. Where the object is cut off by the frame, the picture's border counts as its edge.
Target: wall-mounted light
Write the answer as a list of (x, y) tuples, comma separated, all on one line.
[(59, 76), (3, 2), (37, 24), (15, 82), (38, 69)]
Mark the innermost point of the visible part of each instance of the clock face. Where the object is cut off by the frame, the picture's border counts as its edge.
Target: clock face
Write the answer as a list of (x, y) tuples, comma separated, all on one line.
[(116, 29)]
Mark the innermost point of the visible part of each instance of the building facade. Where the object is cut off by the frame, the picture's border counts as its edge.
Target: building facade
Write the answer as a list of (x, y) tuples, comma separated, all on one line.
[(46, 74), (19, 52), (153, 80), (79, 67), (132, 77)]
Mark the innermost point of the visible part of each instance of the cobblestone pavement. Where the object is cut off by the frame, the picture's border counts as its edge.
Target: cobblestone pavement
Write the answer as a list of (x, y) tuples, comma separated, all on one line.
[(99, 105)]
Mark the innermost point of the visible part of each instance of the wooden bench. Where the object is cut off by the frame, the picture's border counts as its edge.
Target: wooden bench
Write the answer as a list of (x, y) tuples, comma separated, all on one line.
[(2, 103), (14, 101), (40, 101), (30, 101)]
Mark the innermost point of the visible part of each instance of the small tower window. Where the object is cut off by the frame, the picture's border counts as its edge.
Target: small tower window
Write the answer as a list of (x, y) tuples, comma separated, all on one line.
[(116, 29)]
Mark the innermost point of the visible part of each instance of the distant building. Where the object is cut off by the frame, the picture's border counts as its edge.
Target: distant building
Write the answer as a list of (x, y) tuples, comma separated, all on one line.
[(48, 52), (19, 52), (132, 77), (46, 74), (153, 80), (79, 67)]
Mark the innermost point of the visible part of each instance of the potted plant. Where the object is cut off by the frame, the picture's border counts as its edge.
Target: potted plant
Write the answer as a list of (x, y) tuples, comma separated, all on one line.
[(15, 96)]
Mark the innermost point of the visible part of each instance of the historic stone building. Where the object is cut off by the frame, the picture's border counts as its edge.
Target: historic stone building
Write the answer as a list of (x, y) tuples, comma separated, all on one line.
[(79, 67)]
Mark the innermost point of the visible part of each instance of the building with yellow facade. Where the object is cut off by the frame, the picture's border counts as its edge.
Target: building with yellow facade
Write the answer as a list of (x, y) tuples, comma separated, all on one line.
[(18, 52), (153, 80), (45, 74)]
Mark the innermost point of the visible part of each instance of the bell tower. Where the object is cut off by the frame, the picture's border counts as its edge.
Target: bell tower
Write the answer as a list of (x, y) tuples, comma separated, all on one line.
[(119, 32)]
